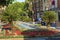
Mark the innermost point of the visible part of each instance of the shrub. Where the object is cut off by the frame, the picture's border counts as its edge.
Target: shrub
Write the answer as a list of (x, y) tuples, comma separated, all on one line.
[(49, 17), (22, 18), (27, 19)]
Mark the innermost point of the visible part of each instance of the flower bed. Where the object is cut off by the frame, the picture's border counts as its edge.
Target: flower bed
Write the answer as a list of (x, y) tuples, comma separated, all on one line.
[(18, 32), (39, 33)]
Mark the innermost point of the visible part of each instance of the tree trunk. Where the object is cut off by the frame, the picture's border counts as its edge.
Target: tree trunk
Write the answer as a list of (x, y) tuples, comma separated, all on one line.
[(48, 25), (11, 24), (11, 21)]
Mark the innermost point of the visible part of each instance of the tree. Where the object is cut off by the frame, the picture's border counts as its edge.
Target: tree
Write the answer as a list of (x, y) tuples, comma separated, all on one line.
[(27, 8), (12, 12), (5, 2), (30, 10), (49, 17)]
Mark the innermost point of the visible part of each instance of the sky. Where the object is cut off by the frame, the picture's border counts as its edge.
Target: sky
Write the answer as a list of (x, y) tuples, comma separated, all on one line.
[(20, 0)]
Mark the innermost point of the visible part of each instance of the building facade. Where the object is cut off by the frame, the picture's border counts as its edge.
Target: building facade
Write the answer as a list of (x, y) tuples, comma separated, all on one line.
[(58, 13), (58, 9), (39, 6)]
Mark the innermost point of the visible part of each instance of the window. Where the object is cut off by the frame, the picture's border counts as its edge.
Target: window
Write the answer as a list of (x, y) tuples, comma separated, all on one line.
[(53, 2), (37, 9), (59, 16)]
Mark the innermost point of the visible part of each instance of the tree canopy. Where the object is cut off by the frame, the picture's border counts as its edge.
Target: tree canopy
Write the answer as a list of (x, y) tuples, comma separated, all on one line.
[(13, 11), (49, 17), (5, 2)]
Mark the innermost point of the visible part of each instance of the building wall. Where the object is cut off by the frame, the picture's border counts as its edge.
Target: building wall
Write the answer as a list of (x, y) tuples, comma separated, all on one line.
[(48, 4), (38, 6), (58, 3), (2, 8), (58, 6)]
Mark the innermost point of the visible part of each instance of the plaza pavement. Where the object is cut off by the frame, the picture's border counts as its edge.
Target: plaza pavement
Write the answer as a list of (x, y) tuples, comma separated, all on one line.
[(53, 38), (13, 39)]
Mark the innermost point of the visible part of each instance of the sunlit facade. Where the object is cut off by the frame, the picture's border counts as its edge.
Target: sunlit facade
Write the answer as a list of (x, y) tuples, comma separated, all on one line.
[(58, 14), (39, 6)]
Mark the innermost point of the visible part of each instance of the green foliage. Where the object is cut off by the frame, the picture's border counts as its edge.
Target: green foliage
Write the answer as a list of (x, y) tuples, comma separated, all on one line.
[(16, 11), (27, 19), (13, 11), (22, 18), (26, 8), (38, 25), (49, 16), (5, 2)]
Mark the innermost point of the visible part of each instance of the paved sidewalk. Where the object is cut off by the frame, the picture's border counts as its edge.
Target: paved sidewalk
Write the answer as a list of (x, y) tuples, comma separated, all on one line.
[(53, 38), (13, 39)]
